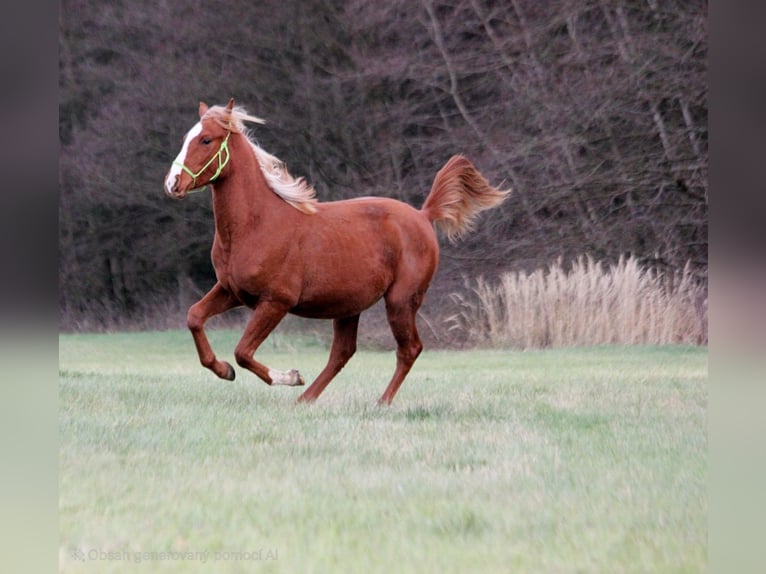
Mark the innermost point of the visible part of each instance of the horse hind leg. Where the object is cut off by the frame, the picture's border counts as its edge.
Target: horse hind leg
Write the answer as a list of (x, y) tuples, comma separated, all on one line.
[(401, 318), (343, 348)]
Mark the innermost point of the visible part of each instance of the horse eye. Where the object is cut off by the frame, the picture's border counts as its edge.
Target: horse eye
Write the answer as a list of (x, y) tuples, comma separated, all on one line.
[(206, 141)]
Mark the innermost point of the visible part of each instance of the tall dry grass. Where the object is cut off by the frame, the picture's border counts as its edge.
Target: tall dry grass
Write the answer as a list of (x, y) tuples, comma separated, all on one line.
[(591, 304)]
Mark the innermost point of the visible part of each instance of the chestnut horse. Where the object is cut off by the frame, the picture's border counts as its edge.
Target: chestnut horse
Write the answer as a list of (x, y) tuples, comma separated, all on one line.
[(277, 250)]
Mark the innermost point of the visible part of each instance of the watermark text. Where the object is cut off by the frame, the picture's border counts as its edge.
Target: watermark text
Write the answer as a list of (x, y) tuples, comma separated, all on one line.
[(203, 557)]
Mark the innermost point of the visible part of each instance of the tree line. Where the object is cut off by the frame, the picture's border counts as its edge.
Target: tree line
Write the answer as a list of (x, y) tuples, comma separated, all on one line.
[(593, 111)]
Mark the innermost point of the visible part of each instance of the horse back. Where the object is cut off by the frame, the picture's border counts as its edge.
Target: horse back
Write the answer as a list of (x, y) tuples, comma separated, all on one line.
[(378, 224)]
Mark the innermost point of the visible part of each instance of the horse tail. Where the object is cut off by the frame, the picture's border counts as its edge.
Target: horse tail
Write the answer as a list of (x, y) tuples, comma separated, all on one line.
[(459, 193)]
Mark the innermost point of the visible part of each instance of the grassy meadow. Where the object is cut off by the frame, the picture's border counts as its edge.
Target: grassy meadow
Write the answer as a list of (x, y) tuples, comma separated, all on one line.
[(570, 460)]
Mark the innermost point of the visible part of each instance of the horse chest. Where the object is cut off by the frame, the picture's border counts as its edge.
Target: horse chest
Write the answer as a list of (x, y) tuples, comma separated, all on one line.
[(221, 259), (243, 274)]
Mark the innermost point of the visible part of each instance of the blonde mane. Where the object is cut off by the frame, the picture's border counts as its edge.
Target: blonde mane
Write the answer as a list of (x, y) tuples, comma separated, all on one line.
[(295, 191)]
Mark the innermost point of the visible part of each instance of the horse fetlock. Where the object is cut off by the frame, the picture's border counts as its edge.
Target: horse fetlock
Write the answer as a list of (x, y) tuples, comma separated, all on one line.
[(291, 378)]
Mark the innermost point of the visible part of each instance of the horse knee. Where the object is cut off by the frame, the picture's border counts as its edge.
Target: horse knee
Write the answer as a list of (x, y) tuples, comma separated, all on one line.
[(340, 355), (348, 351), (242, 356), (417, 349), (194, 319)]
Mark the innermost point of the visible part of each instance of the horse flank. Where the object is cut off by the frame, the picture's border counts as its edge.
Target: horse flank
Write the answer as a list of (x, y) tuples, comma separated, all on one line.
[(295, 191), (459, 193)]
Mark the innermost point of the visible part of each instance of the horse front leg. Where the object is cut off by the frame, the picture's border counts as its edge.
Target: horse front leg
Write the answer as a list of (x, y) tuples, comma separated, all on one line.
[(343, 348), (216, 301), (266, 316)]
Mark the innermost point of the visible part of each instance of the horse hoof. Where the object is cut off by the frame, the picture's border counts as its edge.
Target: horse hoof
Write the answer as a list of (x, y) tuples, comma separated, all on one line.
[(296, 377), (230, 374)]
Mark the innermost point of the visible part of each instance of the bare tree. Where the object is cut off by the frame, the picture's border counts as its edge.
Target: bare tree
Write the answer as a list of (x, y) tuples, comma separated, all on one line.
[(594, 112)]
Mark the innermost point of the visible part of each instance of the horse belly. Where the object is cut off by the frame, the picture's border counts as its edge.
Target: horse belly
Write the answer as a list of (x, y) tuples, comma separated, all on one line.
[(345, 282), (341, 298)]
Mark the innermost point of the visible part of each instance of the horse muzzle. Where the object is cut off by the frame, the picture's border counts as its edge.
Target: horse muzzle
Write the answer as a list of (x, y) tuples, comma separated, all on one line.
[(172, 187)]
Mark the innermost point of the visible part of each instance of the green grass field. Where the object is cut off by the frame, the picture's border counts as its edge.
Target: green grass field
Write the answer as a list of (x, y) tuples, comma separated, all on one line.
[(580, 460)]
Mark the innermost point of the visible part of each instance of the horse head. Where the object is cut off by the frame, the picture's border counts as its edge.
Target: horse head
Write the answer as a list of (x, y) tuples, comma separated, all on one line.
[(203, 156)]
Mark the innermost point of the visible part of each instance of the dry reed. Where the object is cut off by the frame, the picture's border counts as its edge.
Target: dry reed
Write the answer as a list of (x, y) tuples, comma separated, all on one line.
[(590, 304)]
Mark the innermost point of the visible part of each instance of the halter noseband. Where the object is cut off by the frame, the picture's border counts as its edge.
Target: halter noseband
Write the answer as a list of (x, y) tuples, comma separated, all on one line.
[(221, 162)]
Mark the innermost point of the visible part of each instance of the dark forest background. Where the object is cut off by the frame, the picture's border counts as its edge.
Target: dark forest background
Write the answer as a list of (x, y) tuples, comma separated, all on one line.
[(593, 111)]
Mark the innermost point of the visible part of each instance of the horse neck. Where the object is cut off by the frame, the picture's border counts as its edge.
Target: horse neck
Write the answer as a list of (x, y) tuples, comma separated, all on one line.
[(243, 198)]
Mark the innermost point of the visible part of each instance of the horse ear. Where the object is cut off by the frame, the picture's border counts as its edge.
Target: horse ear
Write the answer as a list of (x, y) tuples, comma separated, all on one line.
[(231, 104), (202, 109)]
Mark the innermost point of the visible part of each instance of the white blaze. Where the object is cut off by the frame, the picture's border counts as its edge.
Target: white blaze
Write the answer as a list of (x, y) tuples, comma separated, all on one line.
[(175, 167)]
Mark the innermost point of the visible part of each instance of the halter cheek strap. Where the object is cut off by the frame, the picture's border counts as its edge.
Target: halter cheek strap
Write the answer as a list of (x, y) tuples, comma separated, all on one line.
[(218, 155)]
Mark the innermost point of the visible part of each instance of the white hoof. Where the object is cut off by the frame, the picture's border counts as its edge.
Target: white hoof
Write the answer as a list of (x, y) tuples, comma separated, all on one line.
[(291, 378)]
